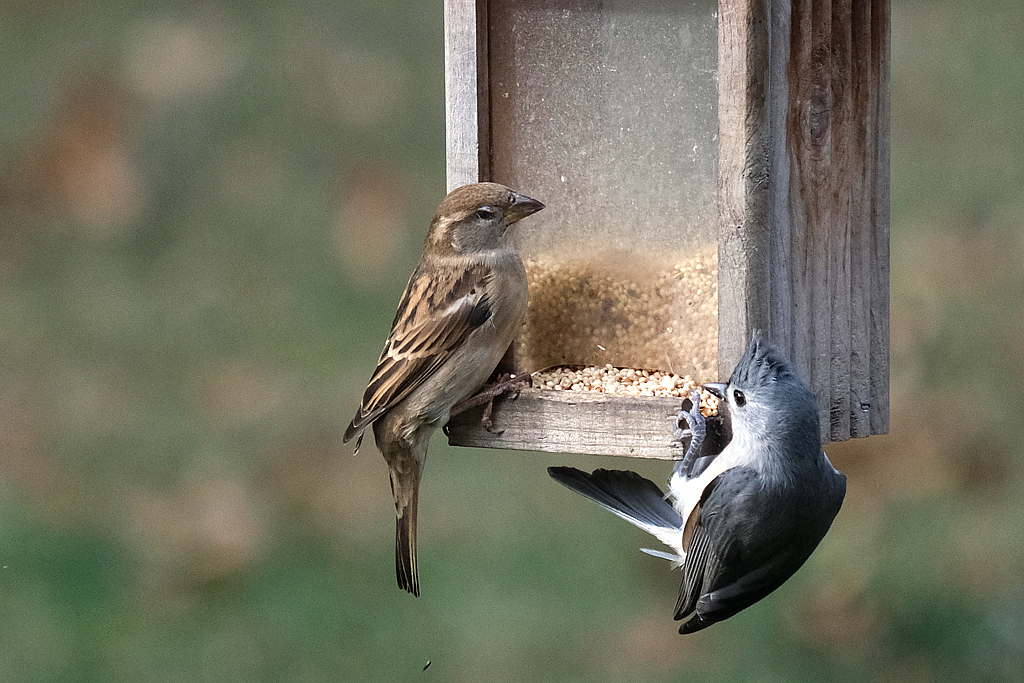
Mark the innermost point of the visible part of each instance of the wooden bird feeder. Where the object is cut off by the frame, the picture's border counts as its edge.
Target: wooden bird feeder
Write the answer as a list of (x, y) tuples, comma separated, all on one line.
[(709, 168)]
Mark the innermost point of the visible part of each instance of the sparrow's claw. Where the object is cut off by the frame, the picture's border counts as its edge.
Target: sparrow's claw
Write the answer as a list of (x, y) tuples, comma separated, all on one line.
[(486, 421), (517, 383), (696, 429), (505, 384)]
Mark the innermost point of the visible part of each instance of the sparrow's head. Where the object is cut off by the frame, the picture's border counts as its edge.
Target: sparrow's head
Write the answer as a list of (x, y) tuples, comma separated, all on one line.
[(474, 218), (765, 397)]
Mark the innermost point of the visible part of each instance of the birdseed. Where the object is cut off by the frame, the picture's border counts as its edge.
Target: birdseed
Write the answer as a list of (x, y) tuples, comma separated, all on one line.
[(625, 310), (624, 382)]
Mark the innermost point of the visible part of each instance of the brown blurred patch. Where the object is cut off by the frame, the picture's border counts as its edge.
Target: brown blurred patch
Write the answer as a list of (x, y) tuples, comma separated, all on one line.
[(983, 463), (344, 496), (90, 398), (211, 527), (652, 646), (907, 463), (28, 463), (168, 59), (840, 617), (978, 566), (369, 223), (83, 164), (29, 468), (239, 393)]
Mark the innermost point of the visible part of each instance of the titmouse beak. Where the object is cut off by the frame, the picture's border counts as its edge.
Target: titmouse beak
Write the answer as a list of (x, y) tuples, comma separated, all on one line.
[(716, 389)]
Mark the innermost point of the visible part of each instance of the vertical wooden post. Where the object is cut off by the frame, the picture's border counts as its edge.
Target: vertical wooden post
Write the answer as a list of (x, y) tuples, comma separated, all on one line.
[(835, 129), (803, 196), (813, 224), (878, 246), (467, 124), (744, 161)]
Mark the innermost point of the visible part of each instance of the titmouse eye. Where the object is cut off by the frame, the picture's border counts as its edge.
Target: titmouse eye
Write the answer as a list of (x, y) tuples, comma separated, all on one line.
[(738, 397)]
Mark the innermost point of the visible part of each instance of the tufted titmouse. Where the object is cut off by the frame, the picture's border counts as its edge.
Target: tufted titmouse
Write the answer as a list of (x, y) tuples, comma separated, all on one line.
[(740, 521)]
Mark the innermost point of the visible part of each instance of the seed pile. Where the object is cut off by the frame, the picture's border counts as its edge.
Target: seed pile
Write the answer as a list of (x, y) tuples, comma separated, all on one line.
[(624, 382), (625, 310)]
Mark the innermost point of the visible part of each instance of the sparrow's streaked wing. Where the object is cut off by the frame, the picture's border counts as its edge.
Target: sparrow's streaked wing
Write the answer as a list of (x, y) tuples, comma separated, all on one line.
[(434, 318)]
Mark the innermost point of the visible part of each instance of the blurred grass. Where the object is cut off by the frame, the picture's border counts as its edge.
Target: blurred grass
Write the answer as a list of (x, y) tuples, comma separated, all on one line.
[(207, 214)]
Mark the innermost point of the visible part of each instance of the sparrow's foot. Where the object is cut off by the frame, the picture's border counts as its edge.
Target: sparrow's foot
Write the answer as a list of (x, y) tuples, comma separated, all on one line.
[(507, 383), (485, 419), (696, 429)]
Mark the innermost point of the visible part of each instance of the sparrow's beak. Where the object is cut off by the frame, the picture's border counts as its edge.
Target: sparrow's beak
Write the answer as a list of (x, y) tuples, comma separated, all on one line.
[(716, 389), (522, 206)]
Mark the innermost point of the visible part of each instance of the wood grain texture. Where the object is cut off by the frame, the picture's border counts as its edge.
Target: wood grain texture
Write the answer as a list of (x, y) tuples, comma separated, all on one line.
[(845, 160), (575, 422), (744, 152), (780, 296), (878, 132), (838, 221), (809, 144), (465, 91), (861, 96)]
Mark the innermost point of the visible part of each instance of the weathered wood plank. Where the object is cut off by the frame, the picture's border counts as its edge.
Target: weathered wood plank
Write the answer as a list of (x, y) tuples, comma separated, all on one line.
[(575, 422), (465, 88), (843, 162), (880, 38), (744, 149), (863, 145), (837, 143), (809, 142), (781, 321)]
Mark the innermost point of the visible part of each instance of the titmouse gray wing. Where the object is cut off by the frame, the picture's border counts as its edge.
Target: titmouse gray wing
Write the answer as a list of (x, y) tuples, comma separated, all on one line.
[(739, 553)]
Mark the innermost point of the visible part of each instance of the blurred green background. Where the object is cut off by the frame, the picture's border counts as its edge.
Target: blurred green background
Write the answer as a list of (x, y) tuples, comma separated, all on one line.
[(207, 214)]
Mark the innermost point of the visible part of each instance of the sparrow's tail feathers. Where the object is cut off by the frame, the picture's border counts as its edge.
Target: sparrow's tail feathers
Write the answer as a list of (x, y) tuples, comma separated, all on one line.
[(637, 500), (406, 486), (405, 545)]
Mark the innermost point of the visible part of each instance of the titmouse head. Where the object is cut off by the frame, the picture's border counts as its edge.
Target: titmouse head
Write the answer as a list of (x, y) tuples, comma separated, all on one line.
[(767, 403)]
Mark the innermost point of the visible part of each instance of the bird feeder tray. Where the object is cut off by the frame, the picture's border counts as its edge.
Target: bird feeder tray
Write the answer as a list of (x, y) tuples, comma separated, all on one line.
[(576, 422), (709, 168)]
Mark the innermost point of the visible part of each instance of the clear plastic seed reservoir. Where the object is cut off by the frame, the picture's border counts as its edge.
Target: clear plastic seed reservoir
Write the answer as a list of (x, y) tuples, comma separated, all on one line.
[(624, 309), (607, 112)]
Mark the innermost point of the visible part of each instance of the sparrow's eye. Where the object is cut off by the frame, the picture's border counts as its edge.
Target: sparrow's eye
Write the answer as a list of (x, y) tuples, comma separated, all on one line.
[(738, 397), (485, 213)]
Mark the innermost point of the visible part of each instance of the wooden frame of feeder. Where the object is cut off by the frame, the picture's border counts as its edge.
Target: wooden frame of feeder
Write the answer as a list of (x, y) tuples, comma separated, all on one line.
[(803, 206)]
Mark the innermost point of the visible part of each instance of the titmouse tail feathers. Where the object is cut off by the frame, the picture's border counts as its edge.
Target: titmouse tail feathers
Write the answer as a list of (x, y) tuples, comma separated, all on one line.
[(627, 494)]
